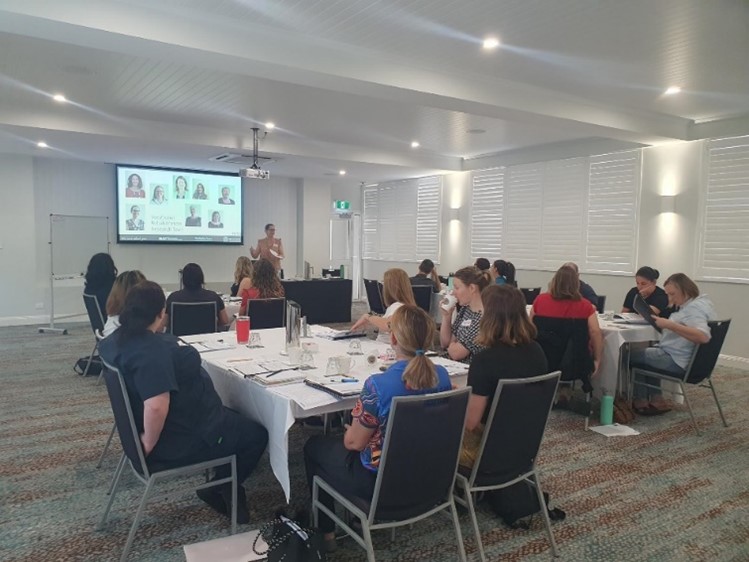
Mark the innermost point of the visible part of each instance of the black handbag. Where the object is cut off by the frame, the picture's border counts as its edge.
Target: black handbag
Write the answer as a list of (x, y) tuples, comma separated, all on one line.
[(289, 541)]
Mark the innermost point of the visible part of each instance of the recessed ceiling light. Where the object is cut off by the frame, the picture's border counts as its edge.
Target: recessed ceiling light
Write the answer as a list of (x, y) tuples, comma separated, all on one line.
[(270, 125), (42, 144), (341, 172), (415, 144), (490, 43), (59, 98), (672, 90)]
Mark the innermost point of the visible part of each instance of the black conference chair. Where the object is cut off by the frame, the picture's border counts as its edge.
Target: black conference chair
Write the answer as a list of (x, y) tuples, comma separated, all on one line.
[(417, 469), (423, 296), (189, 318), (509, 445), (150, 475), (699, 370), (565, 344), (266, 313), (531, 294), (374, 296), (96, 319), (331, 272), (601, 304)]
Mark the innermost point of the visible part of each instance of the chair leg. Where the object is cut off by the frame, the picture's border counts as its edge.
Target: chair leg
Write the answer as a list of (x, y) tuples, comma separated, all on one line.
[(717, 403), (689, 407), (234, 498), (588, 398), (545, 514), (106, 446), (475, 522), (136, 522), (112, 491), (458, 534), (367, 536), (90, 359)]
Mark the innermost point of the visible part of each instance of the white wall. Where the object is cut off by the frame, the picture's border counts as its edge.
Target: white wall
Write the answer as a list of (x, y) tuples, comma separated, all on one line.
[(314, 236), (666, 241), (36, 187)]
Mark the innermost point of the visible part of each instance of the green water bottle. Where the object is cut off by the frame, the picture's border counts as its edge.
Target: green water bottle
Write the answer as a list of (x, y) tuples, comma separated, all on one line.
[(607, 409)]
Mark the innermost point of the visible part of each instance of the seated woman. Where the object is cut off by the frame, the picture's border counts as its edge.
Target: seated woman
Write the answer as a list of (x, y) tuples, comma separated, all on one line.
[(116, 301), (565, 301), (511, 353), (458, 336), (177, 412), (264, 284), (482, 264), (412, 332), (242, 271), (100, 276), (427, 276), (685, 329), (503, 273), (193, 281), (646, 279), (396, 291)]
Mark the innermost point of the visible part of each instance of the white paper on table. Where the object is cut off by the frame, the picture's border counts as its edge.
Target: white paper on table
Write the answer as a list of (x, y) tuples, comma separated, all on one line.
[(234, 548), (615, 430), (307, 397), (247, 367), (453, 368)]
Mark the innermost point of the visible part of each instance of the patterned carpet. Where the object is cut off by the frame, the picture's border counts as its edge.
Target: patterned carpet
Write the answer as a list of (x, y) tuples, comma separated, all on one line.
[(666, 495)]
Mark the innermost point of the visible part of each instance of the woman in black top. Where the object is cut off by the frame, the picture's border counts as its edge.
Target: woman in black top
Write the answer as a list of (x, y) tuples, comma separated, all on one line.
[(646, 278), (100, 276), (511, 353)]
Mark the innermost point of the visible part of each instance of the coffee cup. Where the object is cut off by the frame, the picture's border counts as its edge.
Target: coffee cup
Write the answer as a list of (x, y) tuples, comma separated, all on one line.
[(448, 302)]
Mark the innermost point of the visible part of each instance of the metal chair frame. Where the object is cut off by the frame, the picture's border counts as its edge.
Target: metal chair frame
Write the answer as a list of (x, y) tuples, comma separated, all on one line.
[(96, 328)]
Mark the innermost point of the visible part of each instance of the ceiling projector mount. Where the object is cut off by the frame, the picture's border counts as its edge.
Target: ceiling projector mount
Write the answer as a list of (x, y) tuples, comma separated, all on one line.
[(254, 171)]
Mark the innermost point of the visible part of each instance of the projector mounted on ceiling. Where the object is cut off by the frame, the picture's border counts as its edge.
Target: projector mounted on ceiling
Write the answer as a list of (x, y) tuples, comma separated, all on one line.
[(254, 171)]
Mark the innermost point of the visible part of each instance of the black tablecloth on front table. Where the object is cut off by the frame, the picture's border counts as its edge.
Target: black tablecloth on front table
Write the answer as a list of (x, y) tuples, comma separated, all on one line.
[(323, 301)]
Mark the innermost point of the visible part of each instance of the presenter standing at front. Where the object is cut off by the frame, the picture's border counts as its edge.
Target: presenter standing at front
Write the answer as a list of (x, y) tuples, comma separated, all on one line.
[(269, 248)]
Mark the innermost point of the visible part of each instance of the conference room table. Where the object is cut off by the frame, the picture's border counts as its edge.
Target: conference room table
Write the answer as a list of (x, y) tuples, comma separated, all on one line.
[(278, 406), (612, 376), (323, 301)]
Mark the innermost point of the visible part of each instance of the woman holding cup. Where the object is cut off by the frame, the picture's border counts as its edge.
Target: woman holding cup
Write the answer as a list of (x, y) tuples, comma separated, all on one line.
[(458, 336), (412, 332)]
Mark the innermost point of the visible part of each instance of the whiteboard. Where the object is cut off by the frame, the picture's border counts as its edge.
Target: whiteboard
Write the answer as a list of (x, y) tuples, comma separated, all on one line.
[(74, 239)]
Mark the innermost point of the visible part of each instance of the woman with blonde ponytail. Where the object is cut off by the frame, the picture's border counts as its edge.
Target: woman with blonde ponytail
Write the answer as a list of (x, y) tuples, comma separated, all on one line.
[(412, 333)]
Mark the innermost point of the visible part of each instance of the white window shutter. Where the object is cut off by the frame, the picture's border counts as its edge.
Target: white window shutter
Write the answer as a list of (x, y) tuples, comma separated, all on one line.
[(563, 217), (522, 224), (429, 218), (370, 223), (724, 244), (487, 213), (388, 222), (613, 199)]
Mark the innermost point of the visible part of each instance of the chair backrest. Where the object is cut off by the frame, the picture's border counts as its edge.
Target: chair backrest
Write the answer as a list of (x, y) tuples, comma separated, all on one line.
[(331, 272), (531, 294), (188, 318), (123, 418), (423, 296), (565, 344), (420, 454), (95, 315), (374, 296), (266, 313), (514, 428), (706, 355), (601, 304)]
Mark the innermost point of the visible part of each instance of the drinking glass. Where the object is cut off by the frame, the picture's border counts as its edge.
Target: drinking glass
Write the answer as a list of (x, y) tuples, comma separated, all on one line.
[(354, 348), (242, 327), (255, 340)]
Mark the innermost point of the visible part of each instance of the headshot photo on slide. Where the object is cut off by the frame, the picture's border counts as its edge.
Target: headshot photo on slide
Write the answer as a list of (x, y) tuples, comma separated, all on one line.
[(135, 187), (159, 195), (193, 215), (135, 222), (180, 187), (215, 220), (225, 198), (198, 191)]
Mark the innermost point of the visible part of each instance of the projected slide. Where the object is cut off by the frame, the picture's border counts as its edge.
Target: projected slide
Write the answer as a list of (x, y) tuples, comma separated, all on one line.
[(178, 206)]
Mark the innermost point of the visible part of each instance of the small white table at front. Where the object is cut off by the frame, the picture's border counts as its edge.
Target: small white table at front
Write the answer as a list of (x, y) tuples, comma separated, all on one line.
[(615, 335), (277, 407)]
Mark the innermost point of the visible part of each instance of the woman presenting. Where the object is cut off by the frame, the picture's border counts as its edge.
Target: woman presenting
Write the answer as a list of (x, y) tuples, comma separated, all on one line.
[(269, 248)]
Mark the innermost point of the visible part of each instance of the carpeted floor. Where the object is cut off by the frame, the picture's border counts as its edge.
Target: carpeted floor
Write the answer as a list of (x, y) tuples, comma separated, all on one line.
[(666, 495)]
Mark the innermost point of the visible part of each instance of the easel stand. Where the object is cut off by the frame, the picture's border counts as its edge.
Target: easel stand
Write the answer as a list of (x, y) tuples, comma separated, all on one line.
[(54, 277)]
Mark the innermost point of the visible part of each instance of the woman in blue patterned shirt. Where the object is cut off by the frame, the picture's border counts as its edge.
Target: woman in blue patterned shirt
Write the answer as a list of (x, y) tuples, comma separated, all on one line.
[(351, 464)]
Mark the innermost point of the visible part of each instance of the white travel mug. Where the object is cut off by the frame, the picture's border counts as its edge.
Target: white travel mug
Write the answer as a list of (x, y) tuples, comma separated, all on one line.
[(448, 302)]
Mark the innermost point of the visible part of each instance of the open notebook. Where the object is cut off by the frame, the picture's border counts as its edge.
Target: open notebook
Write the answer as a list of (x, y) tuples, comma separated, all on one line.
[(334, 386)]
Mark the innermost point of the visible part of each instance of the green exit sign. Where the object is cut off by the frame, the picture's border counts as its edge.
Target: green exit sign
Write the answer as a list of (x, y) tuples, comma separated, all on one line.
[(342, 205)]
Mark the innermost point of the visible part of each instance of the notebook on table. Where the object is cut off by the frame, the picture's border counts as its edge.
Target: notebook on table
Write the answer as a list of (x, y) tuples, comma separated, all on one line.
[(331, 334), (335, 387)]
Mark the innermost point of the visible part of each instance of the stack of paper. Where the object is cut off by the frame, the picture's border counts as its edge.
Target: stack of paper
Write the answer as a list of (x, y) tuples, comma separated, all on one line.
[(615, 430)]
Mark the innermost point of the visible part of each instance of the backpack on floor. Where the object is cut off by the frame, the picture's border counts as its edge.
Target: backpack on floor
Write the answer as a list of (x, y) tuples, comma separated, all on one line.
[(514, 503), (93, 370)]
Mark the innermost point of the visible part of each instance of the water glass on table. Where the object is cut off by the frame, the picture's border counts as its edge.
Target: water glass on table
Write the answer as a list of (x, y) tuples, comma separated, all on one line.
[(354, 348), (255, 341), (242, 327)]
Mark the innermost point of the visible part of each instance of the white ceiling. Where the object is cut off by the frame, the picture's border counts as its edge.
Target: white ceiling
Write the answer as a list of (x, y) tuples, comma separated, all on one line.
[(351, 82)]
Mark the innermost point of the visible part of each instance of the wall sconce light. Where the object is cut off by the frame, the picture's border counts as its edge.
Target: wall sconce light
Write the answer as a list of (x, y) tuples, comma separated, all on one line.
[(668, 203), (453, 214)]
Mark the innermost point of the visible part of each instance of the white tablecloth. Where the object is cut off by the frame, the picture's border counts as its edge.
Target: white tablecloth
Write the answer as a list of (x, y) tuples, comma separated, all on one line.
[(614, 336), (277, 407)]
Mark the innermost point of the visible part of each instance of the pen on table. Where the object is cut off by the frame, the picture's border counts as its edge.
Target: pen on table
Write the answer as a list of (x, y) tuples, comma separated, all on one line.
[(345, 379)]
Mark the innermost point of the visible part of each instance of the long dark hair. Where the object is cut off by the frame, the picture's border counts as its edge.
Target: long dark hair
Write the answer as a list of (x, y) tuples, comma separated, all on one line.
[(143, 304), (100, 271), (265, 280), (507, 270)]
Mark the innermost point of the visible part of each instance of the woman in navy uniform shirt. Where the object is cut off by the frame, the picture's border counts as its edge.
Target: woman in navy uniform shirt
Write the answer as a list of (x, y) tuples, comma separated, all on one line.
[(646, 279), (178, 414)]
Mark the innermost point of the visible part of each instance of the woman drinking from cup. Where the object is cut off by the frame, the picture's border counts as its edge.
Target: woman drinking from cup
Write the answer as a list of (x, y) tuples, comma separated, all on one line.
[(458, 336)]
